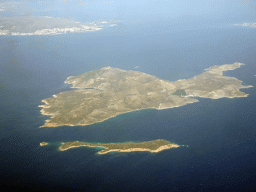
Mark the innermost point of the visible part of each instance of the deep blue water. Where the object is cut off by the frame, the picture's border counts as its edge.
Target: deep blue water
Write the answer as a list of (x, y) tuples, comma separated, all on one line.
[(220, 133)]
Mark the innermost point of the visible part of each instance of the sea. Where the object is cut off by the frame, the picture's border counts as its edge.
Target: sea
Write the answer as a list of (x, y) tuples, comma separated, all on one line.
[(220, 133)]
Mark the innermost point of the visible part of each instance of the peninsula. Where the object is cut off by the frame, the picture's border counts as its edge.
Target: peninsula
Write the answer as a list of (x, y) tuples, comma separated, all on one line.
[(108, 92), (150, 146)]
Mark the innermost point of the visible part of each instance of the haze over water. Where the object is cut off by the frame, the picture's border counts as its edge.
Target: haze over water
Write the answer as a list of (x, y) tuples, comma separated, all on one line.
[(167, 39)]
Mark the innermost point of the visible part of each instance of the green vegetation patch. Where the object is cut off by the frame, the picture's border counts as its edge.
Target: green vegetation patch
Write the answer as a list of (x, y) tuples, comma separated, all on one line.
[(180, 92)]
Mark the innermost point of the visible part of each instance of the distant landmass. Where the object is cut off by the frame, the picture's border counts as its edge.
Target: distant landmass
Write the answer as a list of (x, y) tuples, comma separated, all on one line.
[(49, 25), (108, 92), (248, 24), (150, 146)]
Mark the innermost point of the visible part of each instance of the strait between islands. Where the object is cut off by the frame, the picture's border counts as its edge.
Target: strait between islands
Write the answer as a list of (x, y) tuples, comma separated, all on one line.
[(108, 92)]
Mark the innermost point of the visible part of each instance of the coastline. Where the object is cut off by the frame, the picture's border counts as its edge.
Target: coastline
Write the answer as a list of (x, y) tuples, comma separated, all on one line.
[(140, 149), (47, 124)]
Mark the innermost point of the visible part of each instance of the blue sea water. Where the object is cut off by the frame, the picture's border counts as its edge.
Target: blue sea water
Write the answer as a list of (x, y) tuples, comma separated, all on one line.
[(220, 133)]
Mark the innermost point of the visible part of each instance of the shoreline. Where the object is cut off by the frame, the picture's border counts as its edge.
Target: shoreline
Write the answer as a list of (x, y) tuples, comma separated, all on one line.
[(162, 148), (187, 96), (59, 125)]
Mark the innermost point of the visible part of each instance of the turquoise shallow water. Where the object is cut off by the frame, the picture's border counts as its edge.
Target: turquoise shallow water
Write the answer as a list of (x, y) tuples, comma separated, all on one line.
[(220, 133)]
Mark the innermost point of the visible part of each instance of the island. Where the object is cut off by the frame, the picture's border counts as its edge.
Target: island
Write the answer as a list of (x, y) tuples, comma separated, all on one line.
[(31, 25), (154, 146), (105, 93), (43, 143)]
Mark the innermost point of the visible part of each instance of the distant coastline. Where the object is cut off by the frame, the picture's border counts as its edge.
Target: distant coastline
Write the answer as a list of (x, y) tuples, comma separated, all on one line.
[(248, 24), (31, 25)]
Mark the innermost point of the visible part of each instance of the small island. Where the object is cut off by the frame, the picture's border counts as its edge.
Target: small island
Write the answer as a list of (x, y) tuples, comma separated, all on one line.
[(43, 143), (154, 146), (108, 92)]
